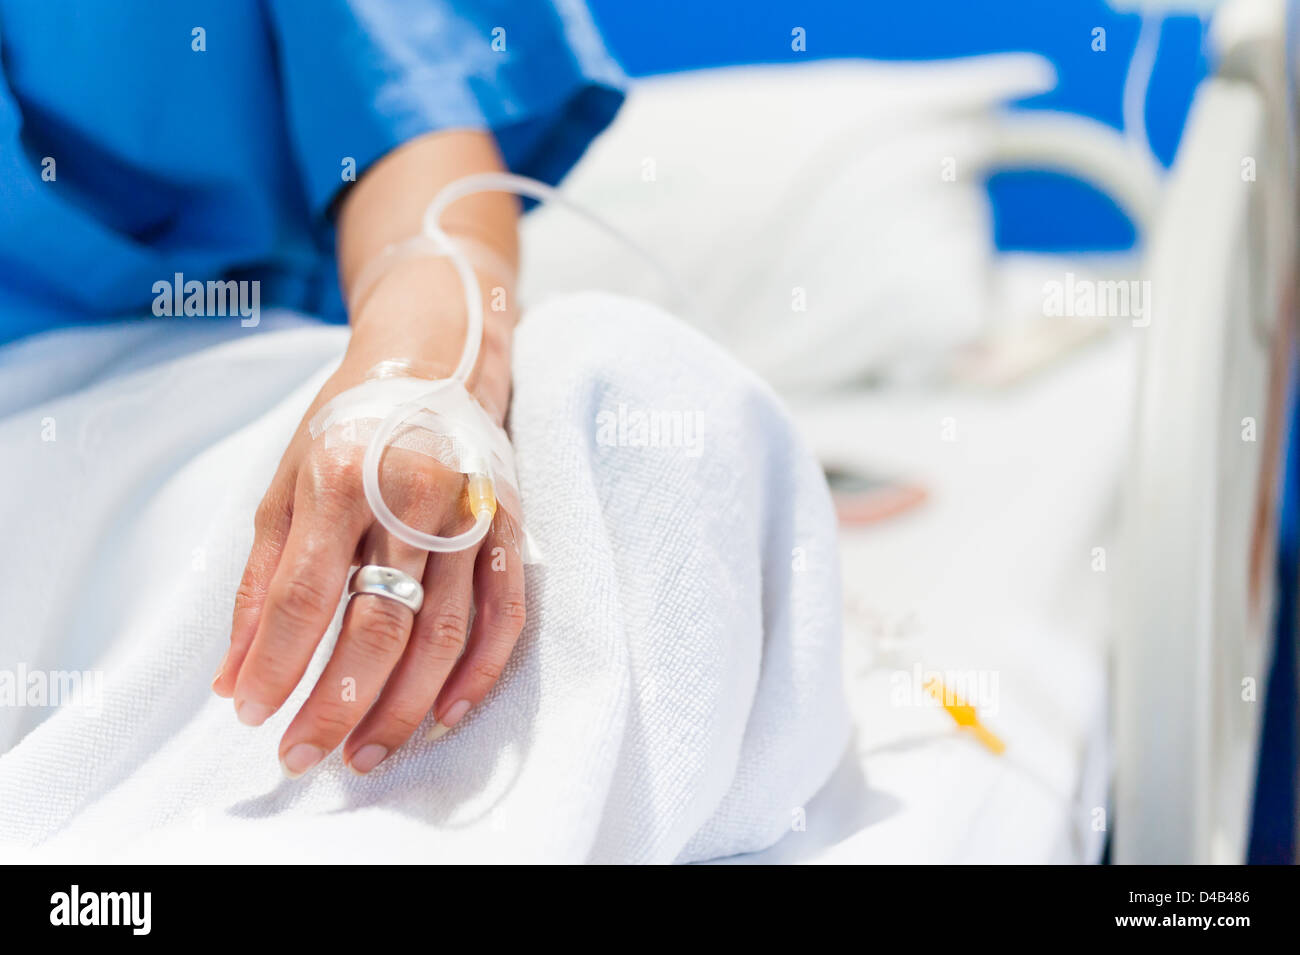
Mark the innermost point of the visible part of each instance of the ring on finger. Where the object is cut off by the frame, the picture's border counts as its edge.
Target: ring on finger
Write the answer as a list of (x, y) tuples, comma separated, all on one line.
[(387, 582)]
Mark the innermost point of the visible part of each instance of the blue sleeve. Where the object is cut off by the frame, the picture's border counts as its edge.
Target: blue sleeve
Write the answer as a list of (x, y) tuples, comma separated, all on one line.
[(47, 238), (361, 77)]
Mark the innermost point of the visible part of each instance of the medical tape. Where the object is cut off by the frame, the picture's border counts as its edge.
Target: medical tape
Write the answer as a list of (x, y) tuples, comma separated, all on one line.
[(436, 418)]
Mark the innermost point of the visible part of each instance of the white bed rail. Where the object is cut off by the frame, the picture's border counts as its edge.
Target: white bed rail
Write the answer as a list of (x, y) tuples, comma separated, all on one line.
[(1197, 558)]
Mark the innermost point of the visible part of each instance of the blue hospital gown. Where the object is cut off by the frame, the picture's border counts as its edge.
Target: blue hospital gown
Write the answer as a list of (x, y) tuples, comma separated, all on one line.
[(144, 138)]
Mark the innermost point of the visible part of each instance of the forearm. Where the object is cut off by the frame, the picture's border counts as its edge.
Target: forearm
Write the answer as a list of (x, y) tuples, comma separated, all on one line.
[(415, 309)]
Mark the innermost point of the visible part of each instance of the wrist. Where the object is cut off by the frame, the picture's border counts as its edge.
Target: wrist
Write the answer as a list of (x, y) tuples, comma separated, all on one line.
[(415, 311)]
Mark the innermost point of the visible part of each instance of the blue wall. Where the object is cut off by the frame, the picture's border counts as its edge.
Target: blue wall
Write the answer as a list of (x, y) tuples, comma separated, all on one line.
[(656, 36)]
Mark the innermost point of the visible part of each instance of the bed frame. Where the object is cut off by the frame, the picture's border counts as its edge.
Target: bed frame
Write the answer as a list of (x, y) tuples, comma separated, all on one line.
[(1195, 608)]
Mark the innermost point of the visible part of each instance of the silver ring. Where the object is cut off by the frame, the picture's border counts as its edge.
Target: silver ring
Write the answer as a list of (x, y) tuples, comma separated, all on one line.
[(387, 582)]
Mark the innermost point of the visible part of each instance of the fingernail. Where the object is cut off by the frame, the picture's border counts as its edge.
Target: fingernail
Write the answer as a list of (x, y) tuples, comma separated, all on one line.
[(367, 758), (449, 719), (221, 668), (300, 758), (252, 714)]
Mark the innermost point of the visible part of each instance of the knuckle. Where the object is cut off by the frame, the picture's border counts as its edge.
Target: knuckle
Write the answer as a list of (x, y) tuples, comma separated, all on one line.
[(420, 493), (507, 616), (381, 627), (262, 517), (420, 483), (446, 632), (268, 675), (316, 551), (246, 595), (402, 721), (335, 473), (488, 670), (333, 722), (302, 599), (268, 514)]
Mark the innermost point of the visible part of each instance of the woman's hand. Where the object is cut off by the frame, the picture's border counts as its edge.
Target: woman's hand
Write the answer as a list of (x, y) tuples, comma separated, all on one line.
[(390, 667)]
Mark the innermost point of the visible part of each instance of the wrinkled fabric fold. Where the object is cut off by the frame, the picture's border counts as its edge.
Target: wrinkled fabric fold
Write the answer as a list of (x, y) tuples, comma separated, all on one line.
[(676, 694)]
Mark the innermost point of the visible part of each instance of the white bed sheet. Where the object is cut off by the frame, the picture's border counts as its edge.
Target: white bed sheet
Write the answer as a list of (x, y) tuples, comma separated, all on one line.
[(994, 575)]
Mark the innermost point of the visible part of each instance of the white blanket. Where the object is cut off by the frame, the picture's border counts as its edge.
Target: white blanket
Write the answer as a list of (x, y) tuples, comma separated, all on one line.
[(676, 694)]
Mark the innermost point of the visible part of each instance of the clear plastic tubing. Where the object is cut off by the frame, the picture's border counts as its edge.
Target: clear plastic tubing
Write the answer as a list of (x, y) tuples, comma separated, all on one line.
[(481, 492)]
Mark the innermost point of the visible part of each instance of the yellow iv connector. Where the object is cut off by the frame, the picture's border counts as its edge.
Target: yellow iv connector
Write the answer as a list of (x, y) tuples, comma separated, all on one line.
[(482, 495)]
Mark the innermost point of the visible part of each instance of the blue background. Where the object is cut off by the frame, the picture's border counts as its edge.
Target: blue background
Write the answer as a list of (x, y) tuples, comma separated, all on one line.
[(671, 35)]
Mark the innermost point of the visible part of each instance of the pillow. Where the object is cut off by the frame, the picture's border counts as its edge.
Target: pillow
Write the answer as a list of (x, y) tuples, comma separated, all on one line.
[(830, 218)]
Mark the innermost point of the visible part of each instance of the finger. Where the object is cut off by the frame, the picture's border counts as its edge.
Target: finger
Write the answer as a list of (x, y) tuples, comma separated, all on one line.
[(437, 639), (374, 635), (498, 621), (329, 518), (270, 531)]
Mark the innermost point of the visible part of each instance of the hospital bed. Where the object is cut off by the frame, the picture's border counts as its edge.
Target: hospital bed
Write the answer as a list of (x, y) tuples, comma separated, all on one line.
[(1202, 490), (1092, 566), (1095, 555)]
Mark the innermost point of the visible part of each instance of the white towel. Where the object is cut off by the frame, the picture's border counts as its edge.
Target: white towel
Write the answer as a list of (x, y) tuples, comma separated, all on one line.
[(676, 694)]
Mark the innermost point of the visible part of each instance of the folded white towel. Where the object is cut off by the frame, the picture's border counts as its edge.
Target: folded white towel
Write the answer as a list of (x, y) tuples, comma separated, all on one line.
[(676, 694)]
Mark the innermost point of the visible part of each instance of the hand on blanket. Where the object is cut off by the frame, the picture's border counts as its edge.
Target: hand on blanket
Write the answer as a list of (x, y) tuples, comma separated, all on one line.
[(389, 668)]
